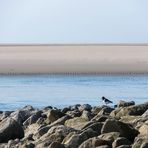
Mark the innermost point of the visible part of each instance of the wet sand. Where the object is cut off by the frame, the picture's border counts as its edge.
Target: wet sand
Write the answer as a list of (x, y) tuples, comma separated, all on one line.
[(76, 58)]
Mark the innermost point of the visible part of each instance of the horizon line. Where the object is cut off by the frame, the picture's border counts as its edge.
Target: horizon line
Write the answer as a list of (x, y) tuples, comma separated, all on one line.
[(73, 44)]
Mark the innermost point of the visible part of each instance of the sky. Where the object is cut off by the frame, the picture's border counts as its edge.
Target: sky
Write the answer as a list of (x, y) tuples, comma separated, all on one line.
[(73, 21)]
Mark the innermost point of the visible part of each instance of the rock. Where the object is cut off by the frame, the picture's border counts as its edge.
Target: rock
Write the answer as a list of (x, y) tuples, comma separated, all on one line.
[(105, 110), (76, 123), (74, 113), (4, 145), (139, 140), (10, 129), (112, 125), (41, 131), (65, 110), (44, 143), (103, 146), (120, 141), (61, 129), (60, 121), (135, 110), (93, 143), (33, 118), (28, 145), (44, 129), (95, 110), (124, 146), (48, 108), (128, 119), (71, 140), (56, 145), (58, 137), (12, 143), (23, 114), (112, 136), (5, 114), (53, 115), (144, 130), (74, 139), (74, 107), (31, 129), (86, 107), (144, 145), (97, 126), (86, 115), (125, 104), (100, 118), (145, 114)]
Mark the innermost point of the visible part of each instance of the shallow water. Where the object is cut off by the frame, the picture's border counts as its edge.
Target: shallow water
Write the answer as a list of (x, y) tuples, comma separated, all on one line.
[(63, 90)]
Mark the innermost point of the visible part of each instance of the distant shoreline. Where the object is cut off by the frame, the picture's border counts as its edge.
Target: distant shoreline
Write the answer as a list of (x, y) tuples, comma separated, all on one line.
[(88, 59)]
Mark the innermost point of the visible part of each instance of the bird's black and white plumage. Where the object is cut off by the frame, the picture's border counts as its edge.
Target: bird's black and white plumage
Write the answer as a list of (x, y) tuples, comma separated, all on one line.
[(106, 101)]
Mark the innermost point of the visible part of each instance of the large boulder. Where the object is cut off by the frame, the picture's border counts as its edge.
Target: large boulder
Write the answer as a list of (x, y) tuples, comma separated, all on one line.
[(23, 114), (33, 118), (112, 125), (96, 126), (10, 129), (53, 115)]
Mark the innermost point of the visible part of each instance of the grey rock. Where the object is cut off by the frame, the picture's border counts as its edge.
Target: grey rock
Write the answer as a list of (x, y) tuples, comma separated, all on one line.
[(53, 115), (10, 129), (97, 126), (33, 118), (112, 125), (23, 114), (87, 115), (73, 140)]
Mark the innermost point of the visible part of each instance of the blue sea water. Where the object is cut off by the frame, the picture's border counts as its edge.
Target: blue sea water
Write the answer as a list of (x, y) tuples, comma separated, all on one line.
[(63, 90)]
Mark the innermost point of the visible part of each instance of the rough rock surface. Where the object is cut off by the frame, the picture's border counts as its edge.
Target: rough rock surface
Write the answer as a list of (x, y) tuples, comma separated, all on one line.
[(10, 129), (77, 126)]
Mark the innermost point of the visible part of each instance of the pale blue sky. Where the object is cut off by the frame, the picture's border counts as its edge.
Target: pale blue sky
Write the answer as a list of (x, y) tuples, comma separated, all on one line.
[(73, 21)]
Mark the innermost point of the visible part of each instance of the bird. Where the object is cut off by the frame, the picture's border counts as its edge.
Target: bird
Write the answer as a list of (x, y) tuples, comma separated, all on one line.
[(106, 101)]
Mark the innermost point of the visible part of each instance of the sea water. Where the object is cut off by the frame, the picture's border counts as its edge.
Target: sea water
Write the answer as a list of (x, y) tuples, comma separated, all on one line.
[(64, 90)]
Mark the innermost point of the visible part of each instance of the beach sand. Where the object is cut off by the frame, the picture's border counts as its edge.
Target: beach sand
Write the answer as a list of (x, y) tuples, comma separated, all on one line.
[(76, 59)]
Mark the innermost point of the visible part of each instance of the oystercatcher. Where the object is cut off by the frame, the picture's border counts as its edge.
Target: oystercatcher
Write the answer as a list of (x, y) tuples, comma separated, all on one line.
[(106, 101)]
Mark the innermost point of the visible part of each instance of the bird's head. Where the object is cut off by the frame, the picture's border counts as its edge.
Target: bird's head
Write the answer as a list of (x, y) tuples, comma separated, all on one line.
[(103, 98)]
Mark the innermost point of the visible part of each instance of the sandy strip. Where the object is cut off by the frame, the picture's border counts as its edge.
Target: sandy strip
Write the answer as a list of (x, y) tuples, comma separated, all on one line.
[(113, 59)]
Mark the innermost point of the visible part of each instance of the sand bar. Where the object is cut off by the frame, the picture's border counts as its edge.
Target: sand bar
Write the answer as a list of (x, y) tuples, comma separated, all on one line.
[(74, 58)]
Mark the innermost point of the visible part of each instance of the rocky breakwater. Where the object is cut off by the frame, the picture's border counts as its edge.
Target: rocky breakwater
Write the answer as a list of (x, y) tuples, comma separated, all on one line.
[(78, 126)]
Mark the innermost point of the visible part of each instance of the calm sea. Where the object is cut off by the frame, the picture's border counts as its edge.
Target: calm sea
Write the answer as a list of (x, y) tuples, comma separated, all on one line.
[(63, 90)]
